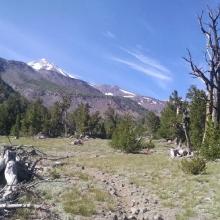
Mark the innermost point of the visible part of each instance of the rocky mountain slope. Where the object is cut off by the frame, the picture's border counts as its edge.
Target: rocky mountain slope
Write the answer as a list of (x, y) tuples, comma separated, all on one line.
[(41, 79), (148, 103)]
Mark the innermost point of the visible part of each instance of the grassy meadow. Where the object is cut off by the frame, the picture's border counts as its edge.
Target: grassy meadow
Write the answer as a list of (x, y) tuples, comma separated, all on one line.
[(188, 196)]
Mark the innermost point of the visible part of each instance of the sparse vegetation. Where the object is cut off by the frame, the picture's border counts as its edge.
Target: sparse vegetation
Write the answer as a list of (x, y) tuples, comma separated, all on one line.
[(102, 174), (193, 166), (156, 173), (75, 202), (149, 144), (55, 173)]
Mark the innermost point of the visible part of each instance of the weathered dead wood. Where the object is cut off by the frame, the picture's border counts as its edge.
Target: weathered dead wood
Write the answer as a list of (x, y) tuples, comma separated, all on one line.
[(211, 75), (2, 164), (19, 168), (17, 206), (180, 152)]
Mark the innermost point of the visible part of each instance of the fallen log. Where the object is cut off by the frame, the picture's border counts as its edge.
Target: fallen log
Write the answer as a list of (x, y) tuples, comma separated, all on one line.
[(19, 167), (17, 206)]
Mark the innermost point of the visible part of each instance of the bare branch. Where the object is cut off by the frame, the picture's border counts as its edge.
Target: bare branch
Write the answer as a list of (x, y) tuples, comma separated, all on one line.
[(196, 71)]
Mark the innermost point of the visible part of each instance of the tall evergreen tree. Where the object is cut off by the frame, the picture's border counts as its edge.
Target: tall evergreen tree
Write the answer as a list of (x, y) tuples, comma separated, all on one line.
[(56, 127), (81, 118), (17, 127), (111, 119), (197, 113), (34, 118), (152, 122), (171, 118)]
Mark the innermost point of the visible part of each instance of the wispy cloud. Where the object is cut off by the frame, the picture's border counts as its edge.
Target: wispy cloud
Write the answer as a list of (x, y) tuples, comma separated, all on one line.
[(147, 65), (109, 34), (150, 71)]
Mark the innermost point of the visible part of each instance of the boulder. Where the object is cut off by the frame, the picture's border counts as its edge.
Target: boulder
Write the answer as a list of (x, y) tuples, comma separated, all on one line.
[(158, 217), (78, 142)]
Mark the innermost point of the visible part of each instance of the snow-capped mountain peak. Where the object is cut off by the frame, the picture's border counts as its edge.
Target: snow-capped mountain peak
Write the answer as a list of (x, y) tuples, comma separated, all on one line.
[(44, 64), (145, 101)]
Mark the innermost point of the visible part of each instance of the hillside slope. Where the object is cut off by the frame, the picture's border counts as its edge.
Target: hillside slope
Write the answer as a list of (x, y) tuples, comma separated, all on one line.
[(49, 83), (146, 102)]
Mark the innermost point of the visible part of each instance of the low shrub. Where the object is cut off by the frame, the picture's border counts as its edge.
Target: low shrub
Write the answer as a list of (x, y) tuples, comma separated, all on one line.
[(193, 166), (149, 145)]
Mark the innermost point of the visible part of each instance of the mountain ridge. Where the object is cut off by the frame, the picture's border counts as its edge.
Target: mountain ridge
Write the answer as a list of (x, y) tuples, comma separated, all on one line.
[(49, 85), (147, 102)]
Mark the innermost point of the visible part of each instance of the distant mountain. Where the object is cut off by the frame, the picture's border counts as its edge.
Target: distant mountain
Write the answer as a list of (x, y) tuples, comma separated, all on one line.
[(146, 102), (5, 91), (44, 80), (43, 64)]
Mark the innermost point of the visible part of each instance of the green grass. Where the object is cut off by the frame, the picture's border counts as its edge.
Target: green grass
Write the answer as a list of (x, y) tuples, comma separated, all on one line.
[(191, 196), (76, 203), (85, 203)]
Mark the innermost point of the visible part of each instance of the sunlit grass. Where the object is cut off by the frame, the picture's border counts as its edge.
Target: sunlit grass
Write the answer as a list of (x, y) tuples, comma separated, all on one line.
[(191, 195)]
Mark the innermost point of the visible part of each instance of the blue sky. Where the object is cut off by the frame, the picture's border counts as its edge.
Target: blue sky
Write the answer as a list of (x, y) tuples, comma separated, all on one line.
[(136, 44)]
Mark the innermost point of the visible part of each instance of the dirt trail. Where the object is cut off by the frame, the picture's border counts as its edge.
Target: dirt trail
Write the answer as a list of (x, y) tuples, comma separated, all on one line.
[(133, 202)]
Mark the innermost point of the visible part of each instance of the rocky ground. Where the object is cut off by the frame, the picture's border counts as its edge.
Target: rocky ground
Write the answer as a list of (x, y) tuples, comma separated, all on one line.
[(132, 201), (97, 182)]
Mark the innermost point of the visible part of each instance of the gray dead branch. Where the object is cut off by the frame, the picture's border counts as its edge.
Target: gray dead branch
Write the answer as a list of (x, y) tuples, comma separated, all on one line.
[(19, 175)]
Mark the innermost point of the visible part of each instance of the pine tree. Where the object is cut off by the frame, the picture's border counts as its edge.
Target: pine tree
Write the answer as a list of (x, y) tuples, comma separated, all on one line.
[(152, 122), (171, 119), (211, 145), (125, 136), (95, 125), (81, 119), (197, 113), (34, 118), (56, 127), (111, 119), (17, 127)]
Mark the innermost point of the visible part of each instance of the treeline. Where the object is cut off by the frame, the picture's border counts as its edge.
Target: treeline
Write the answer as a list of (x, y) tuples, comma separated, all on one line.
[(20, 117), (204, 135)]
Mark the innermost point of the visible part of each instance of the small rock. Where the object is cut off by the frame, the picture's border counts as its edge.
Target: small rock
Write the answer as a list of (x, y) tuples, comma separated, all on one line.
[(83, 168), (144, 210), (135, 211), (146, 201), (133, 203), (132, 218), (115, 217), (158, 217)]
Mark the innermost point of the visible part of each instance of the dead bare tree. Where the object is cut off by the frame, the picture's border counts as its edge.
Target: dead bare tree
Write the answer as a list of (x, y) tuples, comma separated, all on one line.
[(210, 76)]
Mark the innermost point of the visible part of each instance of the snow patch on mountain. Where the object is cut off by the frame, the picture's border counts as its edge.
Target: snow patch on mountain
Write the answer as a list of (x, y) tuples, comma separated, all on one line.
[(109, 93), (128, 96), (130, 93), (43, 64)]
